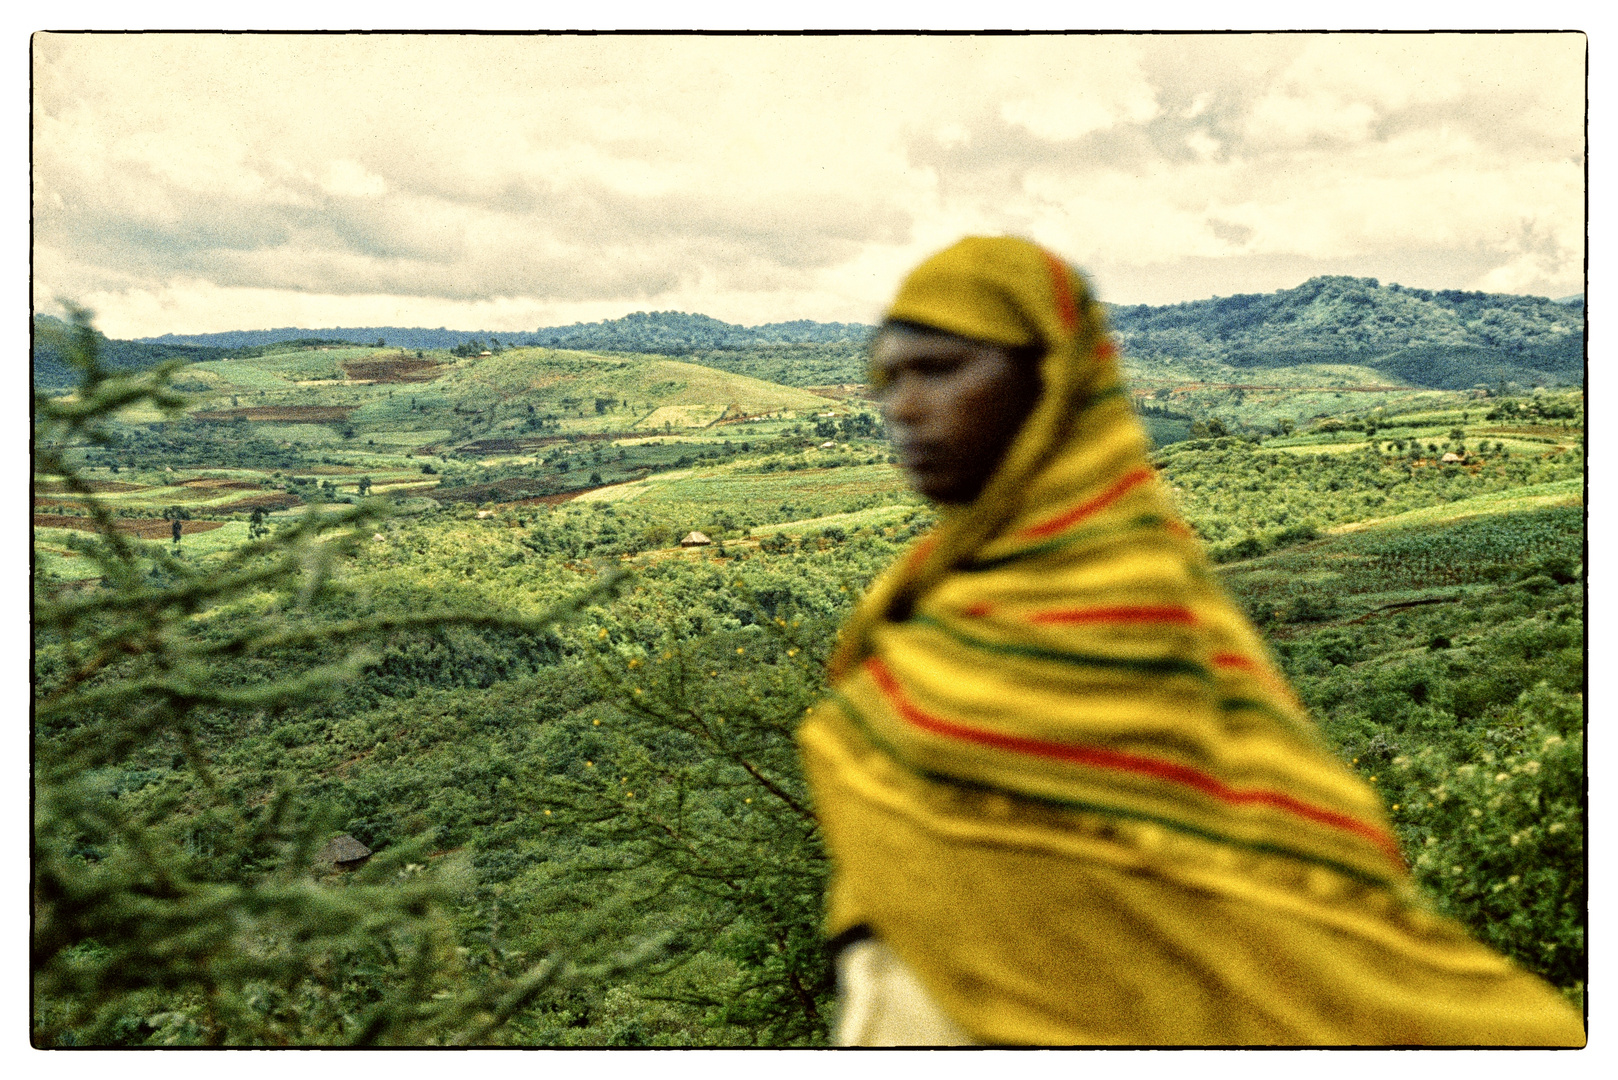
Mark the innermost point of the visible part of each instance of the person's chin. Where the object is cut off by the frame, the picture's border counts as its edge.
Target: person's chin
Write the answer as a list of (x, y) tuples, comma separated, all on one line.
[(937, 485)]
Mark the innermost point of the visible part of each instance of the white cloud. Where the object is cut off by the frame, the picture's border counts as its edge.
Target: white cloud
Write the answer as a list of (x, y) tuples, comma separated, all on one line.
[(1285, 119), (344, 177), (192, 182)]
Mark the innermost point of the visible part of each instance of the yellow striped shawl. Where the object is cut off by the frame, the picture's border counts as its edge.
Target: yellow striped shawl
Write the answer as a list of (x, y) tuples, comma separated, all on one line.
[(1060, 776)]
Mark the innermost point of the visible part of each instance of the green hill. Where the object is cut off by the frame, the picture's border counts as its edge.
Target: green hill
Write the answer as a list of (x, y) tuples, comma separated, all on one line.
[(50, 370), (675, 333), (1442, 339)]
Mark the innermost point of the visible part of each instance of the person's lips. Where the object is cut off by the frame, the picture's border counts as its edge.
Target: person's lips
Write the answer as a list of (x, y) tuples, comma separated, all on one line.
[(920, 457)]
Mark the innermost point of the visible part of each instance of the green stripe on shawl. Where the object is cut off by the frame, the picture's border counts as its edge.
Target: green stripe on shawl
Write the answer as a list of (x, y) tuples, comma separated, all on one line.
[(869, 733), (1167, 665)]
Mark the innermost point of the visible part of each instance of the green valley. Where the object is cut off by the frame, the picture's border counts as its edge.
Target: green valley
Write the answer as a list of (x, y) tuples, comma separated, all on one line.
[(435, 599)]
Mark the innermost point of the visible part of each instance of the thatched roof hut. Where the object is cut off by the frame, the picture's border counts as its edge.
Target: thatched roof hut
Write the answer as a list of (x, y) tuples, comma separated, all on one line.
[(1452, 459), (695, 539), (342, 851)]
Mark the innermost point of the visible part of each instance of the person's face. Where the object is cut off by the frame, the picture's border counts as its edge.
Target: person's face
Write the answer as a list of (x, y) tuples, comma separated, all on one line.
[(952, 407)]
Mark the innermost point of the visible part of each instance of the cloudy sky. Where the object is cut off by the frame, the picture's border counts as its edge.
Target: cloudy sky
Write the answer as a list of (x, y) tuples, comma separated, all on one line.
[(193, 183)]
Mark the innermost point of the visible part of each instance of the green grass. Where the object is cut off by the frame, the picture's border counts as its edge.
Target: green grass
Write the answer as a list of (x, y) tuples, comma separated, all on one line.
[(1478, 546), (681, 416), (876, 517), (1531, 497)]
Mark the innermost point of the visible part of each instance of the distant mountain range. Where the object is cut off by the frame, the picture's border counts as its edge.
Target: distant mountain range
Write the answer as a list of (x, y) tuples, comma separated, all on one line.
[(666, 332), (1446, 338)]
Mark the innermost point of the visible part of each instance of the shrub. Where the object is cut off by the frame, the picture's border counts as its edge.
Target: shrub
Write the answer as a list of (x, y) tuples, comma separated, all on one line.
[(1499, 840)]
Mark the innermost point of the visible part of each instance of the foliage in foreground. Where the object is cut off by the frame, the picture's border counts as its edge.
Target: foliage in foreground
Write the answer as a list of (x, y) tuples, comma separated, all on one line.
[(189, 916)]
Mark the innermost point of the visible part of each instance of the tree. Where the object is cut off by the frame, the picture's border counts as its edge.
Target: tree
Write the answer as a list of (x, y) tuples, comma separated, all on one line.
[(188, 917), (695, 785), (364, 486), (256, 528)]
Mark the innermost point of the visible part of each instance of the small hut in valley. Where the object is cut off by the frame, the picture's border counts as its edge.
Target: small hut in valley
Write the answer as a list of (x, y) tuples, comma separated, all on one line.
[(695, 539)]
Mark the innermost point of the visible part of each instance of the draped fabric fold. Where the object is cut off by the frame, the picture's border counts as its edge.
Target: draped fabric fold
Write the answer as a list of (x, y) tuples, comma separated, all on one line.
[(1060, 776)]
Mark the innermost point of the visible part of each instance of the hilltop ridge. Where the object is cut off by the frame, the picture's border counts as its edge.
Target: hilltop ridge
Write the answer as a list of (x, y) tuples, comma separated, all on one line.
[(1448, 339)]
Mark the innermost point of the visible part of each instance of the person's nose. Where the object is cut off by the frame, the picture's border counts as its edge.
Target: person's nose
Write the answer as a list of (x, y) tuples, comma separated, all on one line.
[(904, 404)]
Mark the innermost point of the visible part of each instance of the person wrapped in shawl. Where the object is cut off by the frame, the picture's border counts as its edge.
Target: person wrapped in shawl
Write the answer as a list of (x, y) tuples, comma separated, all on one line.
[(1068, 797)]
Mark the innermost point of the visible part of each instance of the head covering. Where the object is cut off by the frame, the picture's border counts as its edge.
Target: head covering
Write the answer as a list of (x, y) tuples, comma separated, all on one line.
[(1059, 774)]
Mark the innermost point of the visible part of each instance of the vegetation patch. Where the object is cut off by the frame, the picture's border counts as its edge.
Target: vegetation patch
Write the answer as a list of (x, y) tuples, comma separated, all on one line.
[(310, 414), (398, 369), (145, 528)]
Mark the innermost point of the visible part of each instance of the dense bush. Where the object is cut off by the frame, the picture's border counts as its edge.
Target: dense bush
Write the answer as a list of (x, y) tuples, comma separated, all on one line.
[(170, 907)]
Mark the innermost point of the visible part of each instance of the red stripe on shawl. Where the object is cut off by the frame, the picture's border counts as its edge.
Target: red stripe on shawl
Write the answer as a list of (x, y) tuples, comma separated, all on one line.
[(977, 611), (1065, 307), (1258, 670), (1078, 513), (1180, 615), (919, 553), (1097, 757)]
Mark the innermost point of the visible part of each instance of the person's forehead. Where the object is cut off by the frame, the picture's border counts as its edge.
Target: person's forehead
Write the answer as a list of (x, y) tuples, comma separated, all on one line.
[(897, 345)]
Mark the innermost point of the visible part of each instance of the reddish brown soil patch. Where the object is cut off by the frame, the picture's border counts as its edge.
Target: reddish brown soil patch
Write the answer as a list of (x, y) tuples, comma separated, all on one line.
[(100, 486), (517, 491), (509, 490), (274, 500), (219, 485), (399, 369), (145, 528), (292, 414)]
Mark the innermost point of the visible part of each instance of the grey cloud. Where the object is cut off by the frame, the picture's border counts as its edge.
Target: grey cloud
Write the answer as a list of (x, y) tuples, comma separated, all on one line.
[(598, 243)]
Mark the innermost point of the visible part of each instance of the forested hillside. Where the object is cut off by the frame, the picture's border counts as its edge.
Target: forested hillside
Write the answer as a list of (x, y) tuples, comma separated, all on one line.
[(435, 601), (667, 332), (406, 337), (676, 333), (1443, 339), (1446, 339), (51, 368)]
